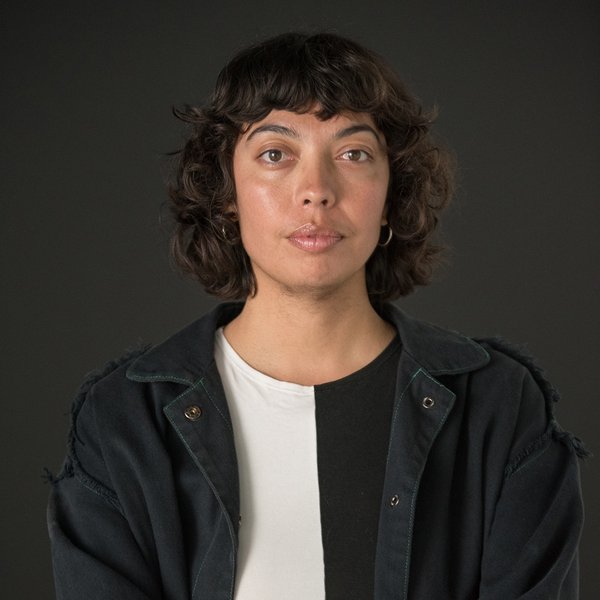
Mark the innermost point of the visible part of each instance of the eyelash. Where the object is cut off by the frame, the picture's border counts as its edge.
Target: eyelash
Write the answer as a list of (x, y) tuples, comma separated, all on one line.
[(264, 155), (365, 156)]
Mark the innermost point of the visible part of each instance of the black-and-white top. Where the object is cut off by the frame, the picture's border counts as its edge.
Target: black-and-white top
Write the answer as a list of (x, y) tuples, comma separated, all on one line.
[(311, 464)]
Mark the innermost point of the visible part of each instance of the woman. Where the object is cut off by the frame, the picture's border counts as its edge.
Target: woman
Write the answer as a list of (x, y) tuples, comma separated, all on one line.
[(312, 440)]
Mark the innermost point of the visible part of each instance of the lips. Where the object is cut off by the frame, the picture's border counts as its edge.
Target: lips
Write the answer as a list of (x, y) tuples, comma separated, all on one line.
[(313, 238)]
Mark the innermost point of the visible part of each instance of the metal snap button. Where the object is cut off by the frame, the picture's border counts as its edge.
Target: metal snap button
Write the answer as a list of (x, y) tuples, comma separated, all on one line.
[(394, 500), (193, 412), (428, 402)]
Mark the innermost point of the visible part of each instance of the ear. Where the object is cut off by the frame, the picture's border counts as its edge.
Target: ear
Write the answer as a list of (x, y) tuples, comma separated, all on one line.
[(384, 219), (384, 216), (231, 211)]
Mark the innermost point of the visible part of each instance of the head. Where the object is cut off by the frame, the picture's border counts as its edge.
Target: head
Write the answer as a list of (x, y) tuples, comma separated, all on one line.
[(298, 72)]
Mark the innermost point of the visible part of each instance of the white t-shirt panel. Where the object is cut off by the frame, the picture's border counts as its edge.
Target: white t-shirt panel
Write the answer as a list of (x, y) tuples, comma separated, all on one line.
[(276, 445)]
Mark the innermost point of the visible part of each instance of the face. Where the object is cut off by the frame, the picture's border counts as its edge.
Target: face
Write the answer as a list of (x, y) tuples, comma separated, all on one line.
[(310, 199)]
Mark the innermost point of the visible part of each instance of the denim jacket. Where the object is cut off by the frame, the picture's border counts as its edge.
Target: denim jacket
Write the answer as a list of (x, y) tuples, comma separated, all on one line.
[(481, 496)]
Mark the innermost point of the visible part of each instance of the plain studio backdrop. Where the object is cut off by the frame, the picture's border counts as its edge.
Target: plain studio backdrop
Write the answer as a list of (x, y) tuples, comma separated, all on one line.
[(86, 122)]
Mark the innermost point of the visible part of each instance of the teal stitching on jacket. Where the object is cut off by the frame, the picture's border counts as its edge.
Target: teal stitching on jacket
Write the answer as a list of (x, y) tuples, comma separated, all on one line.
[(206, 477), (165, 378), (394, 419), (417, 483), (438, 383), (397, 409), (212, 541), (227, 422), (458, 370)]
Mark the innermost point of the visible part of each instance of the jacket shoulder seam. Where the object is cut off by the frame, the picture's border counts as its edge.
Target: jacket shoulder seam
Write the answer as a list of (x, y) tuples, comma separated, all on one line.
[(99, 489), (72, 466), (525, 359), (551, 396), (530, 452)]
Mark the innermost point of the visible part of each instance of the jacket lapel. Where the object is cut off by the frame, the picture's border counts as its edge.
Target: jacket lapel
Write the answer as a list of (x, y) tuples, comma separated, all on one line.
[(199, 414)]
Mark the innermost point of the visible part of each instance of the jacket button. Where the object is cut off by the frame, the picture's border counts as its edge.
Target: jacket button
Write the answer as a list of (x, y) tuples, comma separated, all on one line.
[(394, 500), (428, 402), (193, 413)]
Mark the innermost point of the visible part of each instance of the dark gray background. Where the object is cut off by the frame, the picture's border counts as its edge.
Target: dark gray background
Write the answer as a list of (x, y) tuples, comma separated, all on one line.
[(86, 117)]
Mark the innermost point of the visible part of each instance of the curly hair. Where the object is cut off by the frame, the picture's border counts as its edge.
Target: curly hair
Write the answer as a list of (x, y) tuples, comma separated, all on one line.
[(298, 72)]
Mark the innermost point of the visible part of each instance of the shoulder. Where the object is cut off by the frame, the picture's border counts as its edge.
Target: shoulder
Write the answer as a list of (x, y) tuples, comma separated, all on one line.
[(180, 359), (503, 388), (524, 395), (111, 377), (125, 398)]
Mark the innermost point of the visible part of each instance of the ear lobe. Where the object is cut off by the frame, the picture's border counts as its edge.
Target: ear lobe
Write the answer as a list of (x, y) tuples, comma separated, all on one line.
[(231, 212), (384, 218)]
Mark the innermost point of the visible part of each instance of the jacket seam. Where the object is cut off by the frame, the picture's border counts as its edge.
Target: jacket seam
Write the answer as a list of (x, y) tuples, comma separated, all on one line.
[(549, 392), (72, 466), (529, 453), (212, 541), (165, 378), (205, 475), (394, 421), (105, 493), (227, 422), (417, 481)]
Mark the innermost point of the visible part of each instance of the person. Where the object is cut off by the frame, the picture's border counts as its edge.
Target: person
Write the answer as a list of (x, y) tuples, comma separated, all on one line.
[(308, 439)]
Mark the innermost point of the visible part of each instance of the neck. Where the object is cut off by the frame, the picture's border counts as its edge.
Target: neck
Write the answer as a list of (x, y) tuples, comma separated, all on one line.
[(309, 340)]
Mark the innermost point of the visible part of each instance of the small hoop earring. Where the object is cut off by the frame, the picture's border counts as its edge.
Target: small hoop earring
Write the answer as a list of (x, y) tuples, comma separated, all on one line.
[(389, 237), (229, 234)]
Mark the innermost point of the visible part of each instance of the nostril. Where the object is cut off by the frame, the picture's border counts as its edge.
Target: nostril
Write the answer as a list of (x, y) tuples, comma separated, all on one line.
[(321, 202)]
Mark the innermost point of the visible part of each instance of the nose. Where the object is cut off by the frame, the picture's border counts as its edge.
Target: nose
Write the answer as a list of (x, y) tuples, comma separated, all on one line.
[(316, 186)]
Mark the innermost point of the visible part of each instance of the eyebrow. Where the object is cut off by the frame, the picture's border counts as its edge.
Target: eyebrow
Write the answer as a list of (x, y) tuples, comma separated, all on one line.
[(292, 133), (347, 131), (280, 129)]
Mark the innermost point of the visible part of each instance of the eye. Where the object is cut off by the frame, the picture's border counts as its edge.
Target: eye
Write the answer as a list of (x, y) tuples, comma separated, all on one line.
[(355, 155), (273, 156)]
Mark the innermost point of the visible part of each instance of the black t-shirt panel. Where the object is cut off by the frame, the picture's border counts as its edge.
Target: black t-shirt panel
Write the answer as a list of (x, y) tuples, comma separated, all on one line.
[(353, 417)]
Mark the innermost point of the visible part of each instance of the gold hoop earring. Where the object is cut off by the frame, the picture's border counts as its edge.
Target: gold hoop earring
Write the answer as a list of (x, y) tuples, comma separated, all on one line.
[(229, 232), (389, 237)]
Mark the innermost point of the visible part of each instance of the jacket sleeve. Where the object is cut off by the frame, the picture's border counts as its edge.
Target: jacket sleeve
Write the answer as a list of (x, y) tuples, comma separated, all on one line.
[(531, 551), (94, 552)]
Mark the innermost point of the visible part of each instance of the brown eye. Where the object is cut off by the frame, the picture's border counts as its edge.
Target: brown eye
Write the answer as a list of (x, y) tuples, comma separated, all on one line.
[(355, 155), (273, 156)]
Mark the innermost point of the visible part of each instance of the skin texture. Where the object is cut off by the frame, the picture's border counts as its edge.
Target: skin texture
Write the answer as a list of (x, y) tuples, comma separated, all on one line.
[(293, 170), (311, 203)]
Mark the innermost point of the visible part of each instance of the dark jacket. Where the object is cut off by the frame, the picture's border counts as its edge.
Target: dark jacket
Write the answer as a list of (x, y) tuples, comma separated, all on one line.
[(481, 496)]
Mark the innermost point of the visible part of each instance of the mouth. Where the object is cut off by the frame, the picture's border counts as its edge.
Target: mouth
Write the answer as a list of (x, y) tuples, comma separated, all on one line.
[(313, 238)]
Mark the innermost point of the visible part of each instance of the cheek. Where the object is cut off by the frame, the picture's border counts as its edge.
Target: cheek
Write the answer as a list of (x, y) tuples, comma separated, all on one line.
[(260, 201), (374, 197), (259, 218)]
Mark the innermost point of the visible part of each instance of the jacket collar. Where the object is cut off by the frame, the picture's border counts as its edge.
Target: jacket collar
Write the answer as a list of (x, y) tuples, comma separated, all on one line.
[(439, 351), (186, 356)]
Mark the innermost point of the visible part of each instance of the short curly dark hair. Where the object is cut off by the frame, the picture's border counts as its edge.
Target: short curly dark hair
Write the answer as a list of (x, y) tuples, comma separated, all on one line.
[(298, 72)]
